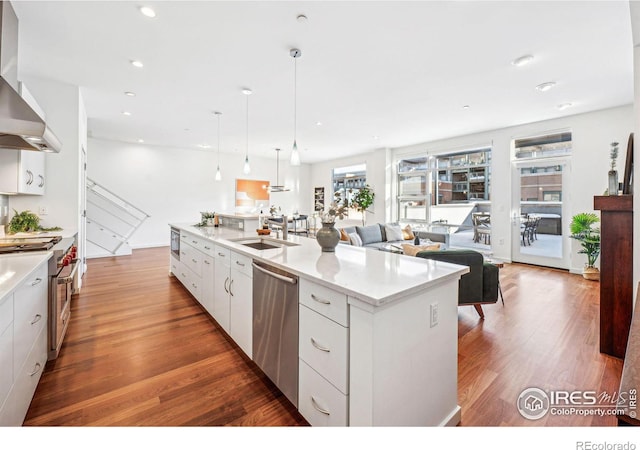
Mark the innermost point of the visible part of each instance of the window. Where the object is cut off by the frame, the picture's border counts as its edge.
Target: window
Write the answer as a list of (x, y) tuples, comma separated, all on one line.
[(556, 144), (463, 177), (347, 181), (422, 182), (413, 179)]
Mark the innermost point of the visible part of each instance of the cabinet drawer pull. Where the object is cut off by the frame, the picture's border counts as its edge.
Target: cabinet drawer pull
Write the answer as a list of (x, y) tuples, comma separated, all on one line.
[(317, 407), (41, 182), (194, 260), (320, 300), (195, 286), (184, 275), (184, 253), (36, 281), (226, 280), (36, 369), (319, 347), (195, 242), (207, 248), (230, 291), (36, 319), (240, 264), (206, 262), (221, 254)]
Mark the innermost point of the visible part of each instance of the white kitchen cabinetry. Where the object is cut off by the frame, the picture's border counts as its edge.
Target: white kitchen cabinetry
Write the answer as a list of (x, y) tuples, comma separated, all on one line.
[(221, 286), (195, 268), (22, 172), (25, 340), (324, 355), (241, 302)]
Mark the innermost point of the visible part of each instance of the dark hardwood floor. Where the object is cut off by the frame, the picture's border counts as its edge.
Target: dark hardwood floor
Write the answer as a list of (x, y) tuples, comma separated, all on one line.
[(140, 352)]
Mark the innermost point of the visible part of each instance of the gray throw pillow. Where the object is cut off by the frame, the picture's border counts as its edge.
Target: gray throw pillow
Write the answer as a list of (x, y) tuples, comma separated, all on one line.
[(370, 234)]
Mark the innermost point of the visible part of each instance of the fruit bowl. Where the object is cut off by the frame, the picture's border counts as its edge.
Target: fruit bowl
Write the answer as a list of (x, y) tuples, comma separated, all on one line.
[(263, 231)]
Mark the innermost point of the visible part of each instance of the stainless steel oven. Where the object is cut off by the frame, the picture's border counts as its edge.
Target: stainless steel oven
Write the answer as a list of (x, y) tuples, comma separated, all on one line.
[(63, 267), (175, 243)]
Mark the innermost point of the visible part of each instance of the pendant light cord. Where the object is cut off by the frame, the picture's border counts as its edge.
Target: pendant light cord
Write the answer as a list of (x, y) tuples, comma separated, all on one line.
[(247, 151), (295, 98), (219, 139)]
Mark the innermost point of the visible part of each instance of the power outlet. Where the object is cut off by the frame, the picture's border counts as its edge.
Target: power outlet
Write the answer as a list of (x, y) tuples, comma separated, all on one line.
[(42, 211), (433, 314)]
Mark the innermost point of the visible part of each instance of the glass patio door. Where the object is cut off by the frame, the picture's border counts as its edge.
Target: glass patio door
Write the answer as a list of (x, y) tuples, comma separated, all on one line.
[(539, 218)]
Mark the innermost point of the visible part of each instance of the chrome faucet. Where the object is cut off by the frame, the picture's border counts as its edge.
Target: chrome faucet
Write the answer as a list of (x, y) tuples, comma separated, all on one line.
[(284, 225), (285, 228)]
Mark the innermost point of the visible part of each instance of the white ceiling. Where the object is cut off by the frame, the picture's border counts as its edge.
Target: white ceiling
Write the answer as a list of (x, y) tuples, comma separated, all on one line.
[(401, 71)]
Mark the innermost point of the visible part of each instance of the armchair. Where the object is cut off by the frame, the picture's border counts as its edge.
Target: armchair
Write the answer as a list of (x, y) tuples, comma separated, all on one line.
[(480, 285)]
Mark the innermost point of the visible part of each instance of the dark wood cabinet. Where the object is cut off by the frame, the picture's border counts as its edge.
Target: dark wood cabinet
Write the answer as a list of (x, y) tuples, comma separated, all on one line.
[(616, 271)]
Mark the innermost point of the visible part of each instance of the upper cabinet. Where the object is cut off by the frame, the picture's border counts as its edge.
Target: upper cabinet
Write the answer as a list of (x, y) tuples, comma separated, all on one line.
[(22, 172)]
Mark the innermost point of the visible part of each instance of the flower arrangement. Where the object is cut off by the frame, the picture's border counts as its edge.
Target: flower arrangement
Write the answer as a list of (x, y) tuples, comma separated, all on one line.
[(613, 154), (337, 209)]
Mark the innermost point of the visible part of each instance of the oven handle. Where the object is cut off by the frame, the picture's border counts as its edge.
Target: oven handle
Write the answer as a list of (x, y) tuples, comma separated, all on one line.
[(68, 279)]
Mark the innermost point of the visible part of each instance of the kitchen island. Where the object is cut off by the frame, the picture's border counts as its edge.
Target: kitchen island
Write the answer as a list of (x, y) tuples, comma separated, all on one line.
[(382, 326)]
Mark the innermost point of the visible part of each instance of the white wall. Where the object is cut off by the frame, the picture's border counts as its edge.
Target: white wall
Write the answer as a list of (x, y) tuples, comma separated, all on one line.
[(378, 170), (175, 184), (591, 134), (60, 102)]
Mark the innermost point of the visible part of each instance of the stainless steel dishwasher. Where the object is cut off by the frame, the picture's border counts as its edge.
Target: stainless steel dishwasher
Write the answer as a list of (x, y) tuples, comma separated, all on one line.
[(275, 327)]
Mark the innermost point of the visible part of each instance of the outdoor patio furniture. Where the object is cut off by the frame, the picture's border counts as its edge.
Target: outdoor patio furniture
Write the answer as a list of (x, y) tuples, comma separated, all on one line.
[(481, 227)]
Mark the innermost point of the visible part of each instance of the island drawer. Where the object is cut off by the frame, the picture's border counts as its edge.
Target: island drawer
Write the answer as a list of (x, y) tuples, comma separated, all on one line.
[(6, 312), (191, 258), (326, 301), (189, 280), (242, 264), (320, 402), (324, 345), (223, 254)]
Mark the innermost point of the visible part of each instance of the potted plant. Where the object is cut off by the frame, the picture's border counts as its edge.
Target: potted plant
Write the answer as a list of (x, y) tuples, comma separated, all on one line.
[(363, 200), (27, 222), (613, 173), (583, 229)]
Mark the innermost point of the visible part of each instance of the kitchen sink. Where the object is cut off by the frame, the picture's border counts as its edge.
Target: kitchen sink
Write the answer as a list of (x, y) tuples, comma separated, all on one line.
[(264, 243)]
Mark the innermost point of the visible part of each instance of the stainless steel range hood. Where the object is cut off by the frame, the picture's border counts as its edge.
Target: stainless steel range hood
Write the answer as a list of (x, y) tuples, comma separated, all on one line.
[(22, 122)]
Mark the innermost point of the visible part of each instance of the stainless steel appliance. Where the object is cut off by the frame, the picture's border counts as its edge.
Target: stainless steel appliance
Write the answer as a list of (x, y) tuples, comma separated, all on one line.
[(275, 327), (22, 122), (175, 243), (63, 266)]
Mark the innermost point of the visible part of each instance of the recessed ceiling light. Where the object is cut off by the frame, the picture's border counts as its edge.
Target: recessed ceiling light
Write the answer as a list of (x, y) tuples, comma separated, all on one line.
[(136, 63), (147, 11), (141, 141), (204, 146), (126, 113), (522, 61), (319, 124), (466, 107), (247, 91), (376, 137), (564, 106), (544, 87), (130, 94)]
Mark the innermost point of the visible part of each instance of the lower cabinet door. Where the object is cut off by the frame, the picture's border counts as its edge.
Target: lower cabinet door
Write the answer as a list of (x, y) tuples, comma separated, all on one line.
[(319, 401), (241, 311), (26, 381), (6, 362)]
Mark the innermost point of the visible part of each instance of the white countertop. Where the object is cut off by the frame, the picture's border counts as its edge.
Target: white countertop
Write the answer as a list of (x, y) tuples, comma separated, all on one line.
[(239, 215), (15, 267), (373, 276)]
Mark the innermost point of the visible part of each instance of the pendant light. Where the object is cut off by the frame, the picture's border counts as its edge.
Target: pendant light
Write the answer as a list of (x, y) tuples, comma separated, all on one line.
[(277, 187), (247, 167), (218, 174), (295, 155)]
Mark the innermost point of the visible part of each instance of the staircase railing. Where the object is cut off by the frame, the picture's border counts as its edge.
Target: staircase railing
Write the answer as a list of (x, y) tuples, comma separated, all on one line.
[(111, 220)]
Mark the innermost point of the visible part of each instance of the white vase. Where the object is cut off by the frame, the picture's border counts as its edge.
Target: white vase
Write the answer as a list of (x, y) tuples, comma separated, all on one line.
[(613, 182)]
